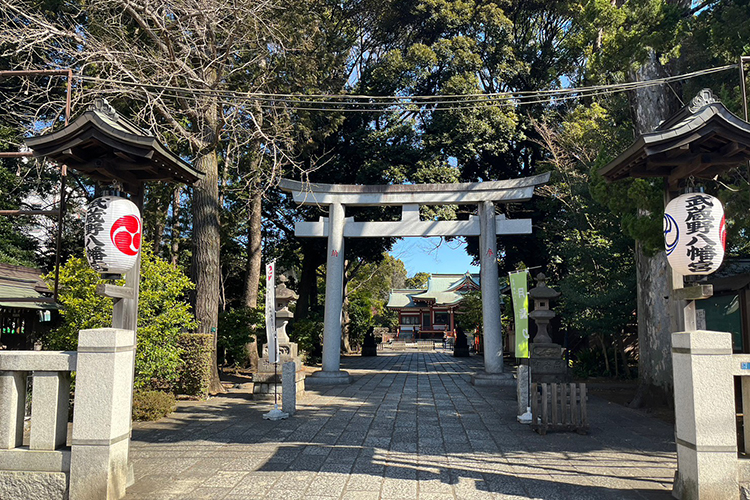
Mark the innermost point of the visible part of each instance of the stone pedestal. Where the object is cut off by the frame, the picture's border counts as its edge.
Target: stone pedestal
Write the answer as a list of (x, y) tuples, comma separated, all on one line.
[(547, 364), (267, 375), (324, 378), (522, 394), (705, 427)]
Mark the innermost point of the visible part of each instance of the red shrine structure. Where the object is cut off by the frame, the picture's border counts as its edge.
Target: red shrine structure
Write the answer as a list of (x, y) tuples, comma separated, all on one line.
[(430, 312)]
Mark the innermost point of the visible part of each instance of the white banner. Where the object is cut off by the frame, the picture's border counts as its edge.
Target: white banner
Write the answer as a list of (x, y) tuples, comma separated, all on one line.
[(273, 341)]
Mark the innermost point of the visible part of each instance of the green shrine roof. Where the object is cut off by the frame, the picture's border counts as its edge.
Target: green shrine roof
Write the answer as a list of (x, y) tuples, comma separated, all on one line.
[(442, 290)]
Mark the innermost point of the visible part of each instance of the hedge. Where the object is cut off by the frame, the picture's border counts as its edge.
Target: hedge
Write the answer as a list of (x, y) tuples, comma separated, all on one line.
[(195, 374), (152, 405)]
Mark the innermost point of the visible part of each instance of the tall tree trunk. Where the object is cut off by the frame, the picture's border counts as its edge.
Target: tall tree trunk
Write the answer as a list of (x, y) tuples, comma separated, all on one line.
[(614, 357), (252, 279), (176, 195), (206, 257), (658, 316), (254, 255)]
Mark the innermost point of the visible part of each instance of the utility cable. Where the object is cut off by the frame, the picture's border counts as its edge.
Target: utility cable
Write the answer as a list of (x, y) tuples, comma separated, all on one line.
[(374, 103)]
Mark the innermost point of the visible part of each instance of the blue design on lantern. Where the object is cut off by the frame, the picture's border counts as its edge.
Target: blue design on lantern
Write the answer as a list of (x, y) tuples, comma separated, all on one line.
[(671, 234)]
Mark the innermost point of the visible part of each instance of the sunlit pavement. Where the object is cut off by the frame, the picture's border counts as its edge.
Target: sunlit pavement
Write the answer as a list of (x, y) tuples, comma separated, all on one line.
[(410, 426)]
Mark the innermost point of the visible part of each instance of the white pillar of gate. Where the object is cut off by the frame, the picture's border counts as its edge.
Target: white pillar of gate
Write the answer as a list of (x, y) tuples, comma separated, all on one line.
[(331, 372), (487, 226), (489, 282)]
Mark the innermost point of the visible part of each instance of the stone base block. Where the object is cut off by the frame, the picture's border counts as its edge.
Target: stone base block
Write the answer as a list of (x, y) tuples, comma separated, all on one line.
[(264, 377), (547, 364), (33, 485), (484, 379), (265, 371), (328, 378), (705, 475), (264, 388)]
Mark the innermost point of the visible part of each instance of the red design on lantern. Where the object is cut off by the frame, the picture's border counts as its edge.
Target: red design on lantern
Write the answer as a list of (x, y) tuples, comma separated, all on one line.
[(126, 234), (113, 238)]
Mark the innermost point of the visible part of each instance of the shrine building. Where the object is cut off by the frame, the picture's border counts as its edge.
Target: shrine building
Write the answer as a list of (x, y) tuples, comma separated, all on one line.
[(430, 312)]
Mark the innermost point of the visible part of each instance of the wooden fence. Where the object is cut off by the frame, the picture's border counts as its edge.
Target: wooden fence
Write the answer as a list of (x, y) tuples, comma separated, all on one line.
[(559, 407)]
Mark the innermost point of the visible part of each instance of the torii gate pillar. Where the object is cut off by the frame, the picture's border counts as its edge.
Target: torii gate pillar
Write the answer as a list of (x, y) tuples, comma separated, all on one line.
[(331, 372), (493, 345), (487, 226)]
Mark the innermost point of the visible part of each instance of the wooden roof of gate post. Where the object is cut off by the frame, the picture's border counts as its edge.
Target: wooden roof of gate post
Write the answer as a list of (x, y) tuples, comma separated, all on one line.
[(110, 148), (702, 140)]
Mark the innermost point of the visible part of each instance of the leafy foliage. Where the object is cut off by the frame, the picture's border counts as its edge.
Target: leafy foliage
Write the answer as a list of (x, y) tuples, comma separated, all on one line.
[(163, 313), (308, 333), (237, 327), (469, 316)]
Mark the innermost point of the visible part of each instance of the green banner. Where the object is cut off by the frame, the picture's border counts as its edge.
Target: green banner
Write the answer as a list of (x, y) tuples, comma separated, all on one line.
[(518, 286)]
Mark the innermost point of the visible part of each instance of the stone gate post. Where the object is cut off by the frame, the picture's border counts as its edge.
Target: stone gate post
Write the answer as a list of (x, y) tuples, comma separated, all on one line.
[(705, 428), (101, 416)]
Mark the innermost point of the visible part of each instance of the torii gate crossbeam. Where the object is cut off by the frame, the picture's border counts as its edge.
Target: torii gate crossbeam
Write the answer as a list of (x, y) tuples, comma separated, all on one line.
[(487, 226)]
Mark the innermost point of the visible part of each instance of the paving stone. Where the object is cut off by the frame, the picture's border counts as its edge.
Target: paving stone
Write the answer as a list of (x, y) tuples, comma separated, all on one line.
[(224, 479), (361, 495), (364, 482), (409, 426)]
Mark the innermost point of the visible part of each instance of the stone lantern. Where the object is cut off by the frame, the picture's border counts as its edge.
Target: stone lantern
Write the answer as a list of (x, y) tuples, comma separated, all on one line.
[(545, 357), (283, 315), (542, 295), (267, 375)]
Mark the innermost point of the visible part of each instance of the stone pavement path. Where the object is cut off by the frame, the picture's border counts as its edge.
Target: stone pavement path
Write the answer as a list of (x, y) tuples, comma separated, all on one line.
[(410, 426)]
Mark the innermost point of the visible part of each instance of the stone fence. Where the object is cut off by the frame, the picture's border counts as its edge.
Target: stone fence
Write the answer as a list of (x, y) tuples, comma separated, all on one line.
[(94, 463)]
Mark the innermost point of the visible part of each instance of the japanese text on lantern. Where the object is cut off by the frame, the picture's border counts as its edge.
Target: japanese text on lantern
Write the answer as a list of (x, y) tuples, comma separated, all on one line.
[(699, 222), (94, 242)]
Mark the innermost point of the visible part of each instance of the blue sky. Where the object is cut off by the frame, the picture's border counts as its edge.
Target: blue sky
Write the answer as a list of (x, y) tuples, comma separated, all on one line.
[(431, 255)]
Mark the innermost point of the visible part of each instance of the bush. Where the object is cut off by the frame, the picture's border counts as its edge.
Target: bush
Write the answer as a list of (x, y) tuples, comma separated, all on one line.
[(163, 313), (308, 334), (195, 373), (587, 363), (360, 320), (238, 327), (152, 405)]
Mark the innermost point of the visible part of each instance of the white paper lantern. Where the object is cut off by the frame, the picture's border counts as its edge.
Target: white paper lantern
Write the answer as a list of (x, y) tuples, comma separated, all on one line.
[(694, 233), (113, 234)]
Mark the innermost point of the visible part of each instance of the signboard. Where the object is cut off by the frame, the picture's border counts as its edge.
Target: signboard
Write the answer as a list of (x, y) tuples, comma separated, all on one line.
[(273, 341), (519, 286)]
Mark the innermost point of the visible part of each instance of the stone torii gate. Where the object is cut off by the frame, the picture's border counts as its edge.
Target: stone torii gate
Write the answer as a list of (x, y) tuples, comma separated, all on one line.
[(487, 226)]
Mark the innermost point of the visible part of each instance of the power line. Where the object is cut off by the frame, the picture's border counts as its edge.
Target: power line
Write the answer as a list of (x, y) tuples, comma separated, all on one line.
[(374, 103)]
